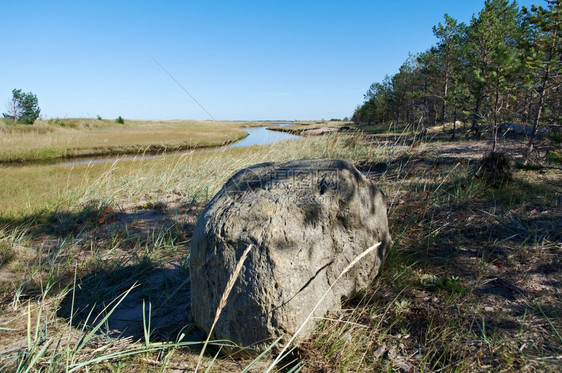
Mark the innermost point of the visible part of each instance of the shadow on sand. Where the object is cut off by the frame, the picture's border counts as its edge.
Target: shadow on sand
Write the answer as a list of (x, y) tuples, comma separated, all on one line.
[(129, 301), (124, 243)]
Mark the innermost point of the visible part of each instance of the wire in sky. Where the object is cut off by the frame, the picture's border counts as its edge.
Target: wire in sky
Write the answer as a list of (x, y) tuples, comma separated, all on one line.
[(185, 90)]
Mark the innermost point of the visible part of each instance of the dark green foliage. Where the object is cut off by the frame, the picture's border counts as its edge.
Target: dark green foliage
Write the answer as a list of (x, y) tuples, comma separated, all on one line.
[(528, 166), (505, 66), (6, 253), (119, 120), (493, 55), (58, 122), (23, 108), (450, 284), (555, 156), (448, 63), (556, 138), (543, 60)]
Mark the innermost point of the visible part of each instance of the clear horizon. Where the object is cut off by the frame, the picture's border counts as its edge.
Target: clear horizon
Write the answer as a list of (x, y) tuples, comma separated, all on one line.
[(239, 60)]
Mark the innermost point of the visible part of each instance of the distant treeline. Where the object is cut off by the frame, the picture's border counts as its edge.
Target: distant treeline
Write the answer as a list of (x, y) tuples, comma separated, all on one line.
[(505, 66)]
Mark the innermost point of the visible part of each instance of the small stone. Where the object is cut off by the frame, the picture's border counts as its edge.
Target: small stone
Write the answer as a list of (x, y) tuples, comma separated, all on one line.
[(379, 351)]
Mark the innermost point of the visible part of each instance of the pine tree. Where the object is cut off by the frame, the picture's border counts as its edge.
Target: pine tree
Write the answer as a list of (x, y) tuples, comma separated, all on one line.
[(493, 57), (449, 36), (544, 60), (506, 64), (23, 108)]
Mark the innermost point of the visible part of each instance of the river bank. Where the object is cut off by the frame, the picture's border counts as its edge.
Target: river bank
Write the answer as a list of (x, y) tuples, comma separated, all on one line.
[(314, 128), (30, 188), (48, 141)]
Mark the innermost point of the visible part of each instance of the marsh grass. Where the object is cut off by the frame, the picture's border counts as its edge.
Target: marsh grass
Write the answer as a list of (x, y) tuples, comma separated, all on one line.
[(469, 285), (82, 137)]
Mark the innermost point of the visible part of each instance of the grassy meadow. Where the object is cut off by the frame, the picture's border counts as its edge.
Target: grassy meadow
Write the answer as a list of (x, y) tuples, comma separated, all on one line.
[(472, 282), (83, 137)]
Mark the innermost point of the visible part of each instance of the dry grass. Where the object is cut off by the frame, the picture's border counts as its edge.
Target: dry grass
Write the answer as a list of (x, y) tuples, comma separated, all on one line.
[(153, 205), (64, 138), (471, 284), (28, 190), (300, 127)]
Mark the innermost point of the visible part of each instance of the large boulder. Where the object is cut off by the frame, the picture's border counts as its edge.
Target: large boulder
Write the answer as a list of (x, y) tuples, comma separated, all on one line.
[(306, 220)]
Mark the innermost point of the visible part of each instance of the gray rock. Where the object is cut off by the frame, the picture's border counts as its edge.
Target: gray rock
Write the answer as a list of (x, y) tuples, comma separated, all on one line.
[(522, 129), (306, 221)]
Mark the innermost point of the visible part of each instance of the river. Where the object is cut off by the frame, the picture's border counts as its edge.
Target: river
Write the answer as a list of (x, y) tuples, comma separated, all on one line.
[(256, 136)]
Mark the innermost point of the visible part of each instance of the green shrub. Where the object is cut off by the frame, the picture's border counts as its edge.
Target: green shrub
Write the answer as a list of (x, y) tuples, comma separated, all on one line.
[(528, 166), (57, 122), (556, 138), (555, 156), (119, 120), (450, 284), (6, 254)]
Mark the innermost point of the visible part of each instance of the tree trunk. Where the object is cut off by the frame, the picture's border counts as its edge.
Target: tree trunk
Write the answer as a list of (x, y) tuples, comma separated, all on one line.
[(475, 116), (495, 125), (554, 31), (527, 110), (445, 92), (454, 123), (537, 118), (15, 109)]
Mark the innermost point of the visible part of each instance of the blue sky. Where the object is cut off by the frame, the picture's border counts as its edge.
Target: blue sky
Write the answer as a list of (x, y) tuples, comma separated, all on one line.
[(242, 60)]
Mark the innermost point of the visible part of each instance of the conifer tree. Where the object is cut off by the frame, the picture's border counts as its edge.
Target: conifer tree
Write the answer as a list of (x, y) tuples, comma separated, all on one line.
[(449, 37), (544, 60), (493, 59), (23, 107)]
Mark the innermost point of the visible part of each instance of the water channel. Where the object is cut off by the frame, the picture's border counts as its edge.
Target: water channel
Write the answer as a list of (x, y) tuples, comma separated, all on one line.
[(256, 136)]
